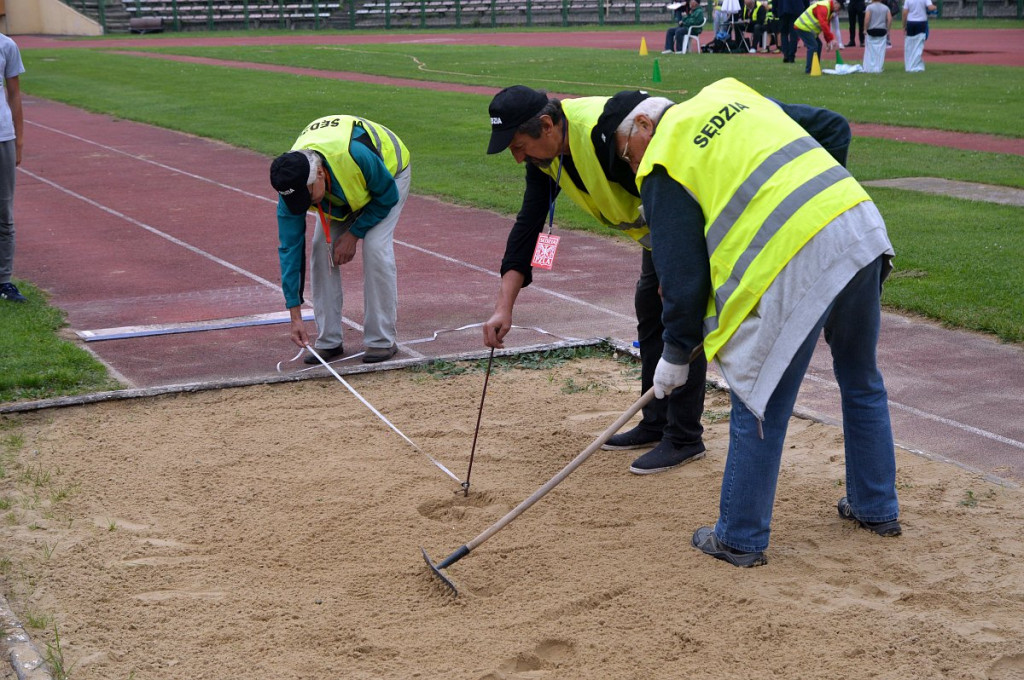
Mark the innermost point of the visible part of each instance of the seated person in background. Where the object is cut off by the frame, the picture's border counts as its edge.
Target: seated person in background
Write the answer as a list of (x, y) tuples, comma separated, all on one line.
[(750, 20), (686, 15)]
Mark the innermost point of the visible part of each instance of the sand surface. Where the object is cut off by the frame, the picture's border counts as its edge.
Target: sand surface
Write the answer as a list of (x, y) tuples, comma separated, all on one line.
[(275, 532)]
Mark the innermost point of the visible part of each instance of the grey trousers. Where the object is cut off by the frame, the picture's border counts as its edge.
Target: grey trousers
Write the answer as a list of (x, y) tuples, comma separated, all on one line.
[(8, 169), (380, 280)]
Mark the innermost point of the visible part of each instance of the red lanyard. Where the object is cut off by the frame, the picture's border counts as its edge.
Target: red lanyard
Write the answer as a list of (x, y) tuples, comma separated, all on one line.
[(324, 220)]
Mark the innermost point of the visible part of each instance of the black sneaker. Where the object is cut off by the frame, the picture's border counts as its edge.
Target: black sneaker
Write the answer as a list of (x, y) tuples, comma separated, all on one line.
[(665, 456), (10, 292), (632, 439), (327, 353), (890, 528), (704, 539)]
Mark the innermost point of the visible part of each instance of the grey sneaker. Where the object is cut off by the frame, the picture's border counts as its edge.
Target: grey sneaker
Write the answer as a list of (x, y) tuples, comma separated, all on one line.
[(704, 539), (327, 353), (665, 456), (632, 439), (377, 354), (10, 292), (890, 528)]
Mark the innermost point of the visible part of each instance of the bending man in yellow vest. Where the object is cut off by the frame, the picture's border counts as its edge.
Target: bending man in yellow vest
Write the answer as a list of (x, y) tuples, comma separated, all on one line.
[(761, 239), (555, 138), (354, 175), (817, 20)]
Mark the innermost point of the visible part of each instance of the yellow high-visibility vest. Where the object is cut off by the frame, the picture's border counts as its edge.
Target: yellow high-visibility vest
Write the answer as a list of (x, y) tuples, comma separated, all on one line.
[(331, 136), (807, 22), (605, 200), (765, 186)]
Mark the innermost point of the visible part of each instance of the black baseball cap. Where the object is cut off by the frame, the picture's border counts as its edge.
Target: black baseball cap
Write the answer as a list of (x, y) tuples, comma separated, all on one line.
[(509, 109), (615, 111), (289, 175)]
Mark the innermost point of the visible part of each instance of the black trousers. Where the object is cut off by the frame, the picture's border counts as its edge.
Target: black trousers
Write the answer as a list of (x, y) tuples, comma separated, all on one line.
[(677, 416), (856, 11), (790, 40)]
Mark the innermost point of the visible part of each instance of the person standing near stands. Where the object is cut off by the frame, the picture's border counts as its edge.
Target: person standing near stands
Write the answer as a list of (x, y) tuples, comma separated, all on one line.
[(790, 11), (855, 14), (12, 122), (817, 19), (556, 140), (355, 174)]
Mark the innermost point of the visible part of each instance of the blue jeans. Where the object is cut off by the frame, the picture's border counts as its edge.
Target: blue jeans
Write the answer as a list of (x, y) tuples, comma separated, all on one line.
[(8, 170), (851, 325), (813, 46)]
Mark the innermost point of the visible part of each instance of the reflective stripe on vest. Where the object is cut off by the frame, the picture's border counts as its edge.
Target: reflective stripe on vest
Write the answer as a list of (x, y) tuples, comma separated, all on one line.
[(807, 22), (763, 195), (605, 200), (331, 136)]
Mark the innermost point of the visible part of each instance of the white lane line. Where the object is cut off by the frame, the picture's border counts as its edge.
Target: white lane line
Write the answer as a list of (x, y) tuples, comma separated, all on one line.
[(124, 332), (560, 296), (177, 241), (440, 256), (931, 416), (153, 230), (151, 162)]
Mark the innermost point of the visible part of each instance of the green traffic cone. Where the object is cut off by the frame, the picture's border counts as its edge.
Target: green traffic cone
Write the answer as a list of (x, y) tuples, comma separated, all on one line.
[(839, 58), (656, 78)]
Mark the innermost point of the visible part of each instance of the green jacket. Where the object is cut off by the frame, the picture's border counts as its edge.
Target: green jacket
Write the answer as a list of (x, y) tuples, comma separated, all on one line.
[(694, 18)]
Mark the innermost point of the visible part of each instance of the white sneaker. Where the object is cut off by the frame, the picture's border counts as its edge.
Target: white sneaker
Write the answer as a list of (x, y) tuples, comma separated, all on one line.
[(752, 50), (666, 51)]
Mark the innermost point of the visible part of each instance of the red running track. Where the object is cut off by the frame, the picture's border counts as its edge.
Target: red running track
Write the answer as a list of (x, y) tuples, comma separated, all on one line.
[(130, 225)]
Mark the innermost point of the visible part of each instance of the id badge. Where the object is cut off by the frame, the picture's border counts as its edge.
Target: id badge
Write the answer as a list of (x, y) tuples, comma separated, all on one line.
[(544, 253)]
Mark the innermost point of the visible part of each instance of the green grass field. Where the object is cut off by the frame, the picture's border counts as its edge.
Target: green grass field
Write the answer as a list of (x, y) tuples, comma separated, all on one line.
[(958, 259)]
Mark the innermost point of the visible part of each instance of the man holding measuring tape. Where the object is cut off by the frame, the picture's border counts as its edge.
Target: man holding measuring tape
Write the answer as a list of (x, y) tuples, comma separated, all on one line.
[(355, 175)]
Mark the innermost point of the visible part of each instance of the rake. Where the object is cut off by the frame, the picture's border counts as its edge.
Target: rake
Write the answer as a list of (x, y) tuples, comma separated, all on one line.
[(464, 550)]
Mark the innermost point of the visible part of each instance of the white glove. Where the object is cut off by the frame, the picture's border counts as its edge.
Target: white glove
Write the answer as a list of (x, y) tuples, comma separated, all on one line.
[(668, 376)]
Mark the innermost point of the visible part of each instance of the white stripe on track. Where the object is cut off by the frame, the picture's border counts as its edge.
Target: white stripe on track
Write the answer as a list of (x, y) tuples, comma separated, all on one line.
[(931, 416), (561, 296), (249, 194)]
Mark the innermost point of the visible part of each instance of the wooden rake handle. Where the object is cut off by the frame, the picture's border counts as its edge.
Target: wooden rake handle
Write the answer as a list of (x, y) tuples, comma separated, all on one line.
[(550, 484)]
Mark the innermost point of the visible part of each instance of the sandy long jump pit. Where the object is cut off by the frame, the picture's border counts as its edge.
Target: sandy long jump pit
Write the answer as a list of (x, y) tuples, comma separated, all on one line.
[(275, 532)]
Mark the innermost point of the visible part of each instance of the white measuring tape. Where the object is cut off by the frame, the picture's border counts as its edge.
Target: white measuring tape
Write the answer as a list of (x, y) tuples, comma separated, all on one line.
[(379, 414)]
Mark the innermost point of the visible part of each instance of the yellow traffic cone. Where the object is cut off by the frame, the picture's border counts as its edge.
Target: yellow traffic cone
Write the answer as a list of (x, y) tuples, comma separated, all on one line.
[(815, 66), (643, 47), (656, 77)]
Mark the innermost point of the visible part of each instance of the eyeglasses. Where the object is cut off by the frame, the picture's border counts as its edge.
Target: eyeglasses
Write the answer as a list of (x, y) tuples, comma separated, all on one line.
[(625, 150)]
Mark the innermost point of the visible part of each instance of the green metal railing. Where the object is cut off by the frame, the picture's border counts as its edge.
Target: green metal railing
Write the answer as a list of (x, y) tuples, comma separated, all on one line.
[(434, 13)]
